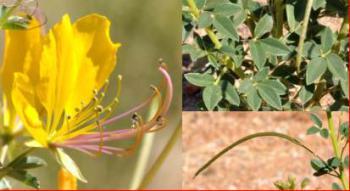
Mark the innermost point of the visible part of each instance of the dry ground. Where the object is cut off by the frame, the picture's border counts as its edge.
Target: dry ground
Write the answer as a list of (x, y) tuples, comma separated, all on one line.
[(255, 164)]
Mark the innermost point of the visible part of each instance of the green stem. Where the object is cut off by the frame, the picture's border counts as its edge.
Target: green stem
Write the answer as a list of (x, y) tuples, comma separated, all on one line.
[(213, 38), (253, 136), (278, 17), (161, 158), (303, 34), (142, 160), (145, 152), (195, 11), (336, 148)]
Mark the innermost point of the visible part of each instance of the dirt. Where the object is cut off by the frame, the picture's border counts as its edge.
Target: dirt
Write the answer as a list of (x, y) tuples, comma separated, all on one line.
[(256, 164)]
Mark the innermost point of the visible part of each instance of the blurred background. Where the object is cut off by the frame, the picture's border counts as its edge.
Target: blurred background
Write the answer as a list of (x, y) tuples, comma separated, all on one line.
[(148, 30), (258, 163)]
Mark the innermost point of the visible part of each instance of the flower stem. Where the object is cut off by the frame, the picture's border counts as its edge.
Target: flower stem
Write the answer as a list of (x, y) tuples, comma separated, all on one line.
[(303, 34), (336, 148), (142, 161), (145, 152), (161, 158)]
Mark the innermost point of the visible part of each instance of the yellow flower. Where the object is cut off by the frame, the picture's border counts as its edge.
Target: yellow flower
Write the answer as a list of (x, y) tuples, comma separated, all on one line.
[(61, 70), (57, 83)]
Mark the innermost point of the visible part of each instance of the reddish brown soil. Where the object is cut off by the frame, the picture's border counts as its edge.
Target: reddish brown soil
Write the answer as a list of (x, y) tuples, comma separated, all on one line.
[(255, 164)]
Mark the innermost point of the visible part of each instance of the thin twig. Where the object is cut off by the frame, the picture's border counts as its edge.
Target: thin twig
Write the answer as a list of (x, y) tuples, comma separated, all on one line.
[(161, 158), (303, 34)]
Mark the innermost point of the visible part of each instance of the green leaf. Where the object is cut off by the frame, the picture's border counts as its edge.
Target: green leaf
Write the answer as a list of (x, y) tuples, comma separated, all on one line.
[(324, 133), (5, 184), (16, 23), (281, 185), (231, 95), (25, 178), (318, 4), (313, 130), (245, 85), (327, 39), (258, 54), (334, 163), (194, 52), (227, 9), (315, 69), (317, 164), (225, 26), (279, 88), (344, 129), (304, 183), (201, 80), (305, 94), (28, 162), (253, 99), (262, 74), (346, 161), (292, 23), (212, 95), (270, 96), (275, 46), (337, 66), (336, 186), (291, 181), (345, 87), (263, 26), (311, 50), (317, 121), (200, 3), (68, 163), (205, 20)]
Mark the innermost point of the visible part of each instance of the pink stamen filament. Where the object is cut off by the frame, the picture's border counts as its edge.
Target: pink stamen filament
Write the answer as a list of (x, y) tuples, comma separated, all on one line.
[(83, 142)]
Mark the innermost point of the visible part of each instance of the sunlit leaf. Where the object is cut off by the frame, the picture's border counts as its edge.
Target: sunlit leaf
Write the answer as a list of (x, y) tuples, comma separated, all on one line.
[(212, 95)]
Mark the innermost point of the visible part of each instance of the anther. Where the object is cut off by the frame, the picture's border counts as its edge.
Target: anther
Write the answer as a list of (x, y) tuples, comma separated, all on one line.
[(77, 110), (95, 91), (153, 87), (69, 117), (99, 108), (160, 120), (120, 77)]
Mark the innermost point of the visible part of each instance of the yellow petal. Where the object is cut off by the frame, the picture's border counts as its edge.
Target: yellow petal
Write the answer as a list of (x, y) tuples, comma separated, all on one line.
[(24, 104), (96, 55), (21, 48), (67, 66)]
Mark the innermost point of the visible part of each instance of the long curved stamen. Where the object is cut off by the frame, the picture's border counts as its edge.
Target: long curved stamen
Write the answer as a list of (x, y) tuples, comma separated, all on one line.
[(91, 142), (128, 133)]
